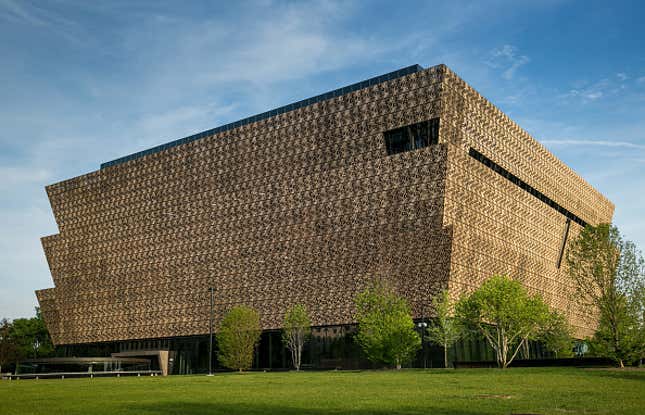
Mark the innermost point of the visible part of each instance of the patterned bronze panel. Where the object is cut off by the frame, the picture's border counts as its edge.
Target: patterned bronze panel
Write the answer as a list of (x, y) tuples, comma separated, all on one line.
[(499, 227), (302, 207), (307, 207)]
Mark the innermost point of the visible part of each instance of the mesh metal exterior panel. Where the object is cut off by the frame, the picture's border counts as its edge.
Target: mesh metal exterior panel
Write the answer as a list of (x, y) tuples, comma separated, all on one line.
[(307, 207)]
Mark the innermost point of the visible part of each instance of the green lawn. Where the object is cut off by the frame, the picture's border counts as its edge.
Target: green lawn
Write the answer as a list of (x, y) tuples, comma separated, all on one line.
[(462, 392)]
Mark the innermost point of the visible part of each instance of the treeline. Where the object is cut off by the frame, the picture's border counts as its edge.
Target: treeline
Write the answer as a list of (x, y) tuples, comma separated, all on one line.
[(24, 338)]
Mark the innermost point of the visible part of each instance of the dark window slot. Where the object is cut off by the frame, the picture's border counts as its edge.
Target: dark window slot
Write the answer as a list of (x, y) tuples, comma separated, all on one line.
[(412, 137), (524, 186)]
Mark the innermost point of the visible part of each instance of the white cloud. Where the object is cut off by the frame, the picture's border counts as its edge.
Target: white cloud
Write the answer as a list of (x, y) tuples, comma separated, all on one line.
[(280, 43), (19, 12), (24, 267), (591, 92), (508, 60), (177, 79), (148, 77), (605, 88), (40, 17), (12, 176), (601, 143), (156, 128)]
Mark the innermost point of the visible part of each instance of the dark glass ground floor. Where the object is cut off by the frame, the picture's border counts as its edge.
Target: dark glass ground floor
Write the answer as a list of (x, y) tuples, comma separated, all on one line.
[(331, 347)]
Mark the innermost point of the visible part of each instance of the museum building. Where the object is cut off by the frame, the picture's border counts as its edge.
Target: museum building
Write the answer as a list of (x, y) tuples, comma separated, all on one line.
[(411, 176)]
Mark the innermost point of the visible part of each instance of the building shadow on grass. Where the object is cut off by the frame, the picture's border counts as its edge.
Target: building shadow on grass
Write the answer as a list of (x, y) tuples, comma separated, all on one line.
[(215, 408)]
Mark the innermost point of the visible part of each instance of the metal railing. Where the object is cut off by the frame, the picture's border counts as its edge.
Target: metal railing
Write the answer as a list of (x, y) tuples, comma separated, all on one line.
[(63, 375)]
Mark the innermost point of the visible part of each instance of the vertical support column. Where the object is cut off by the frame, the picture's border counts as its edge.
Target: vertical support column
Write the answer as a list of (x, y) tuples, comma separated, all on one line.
[(565, 235), (282, 352), (210, 340), (270, 350)]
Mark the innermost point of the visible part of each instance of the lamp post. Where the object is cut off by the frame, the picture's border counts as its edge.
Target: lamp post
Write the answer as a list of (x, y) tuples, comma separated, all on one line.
[(422, 327), (210, 345)]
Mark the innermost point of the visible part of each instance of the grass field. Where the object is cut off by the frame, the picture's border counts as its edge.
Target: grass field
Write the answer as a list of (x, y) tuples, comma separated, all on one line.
[(461, 392)]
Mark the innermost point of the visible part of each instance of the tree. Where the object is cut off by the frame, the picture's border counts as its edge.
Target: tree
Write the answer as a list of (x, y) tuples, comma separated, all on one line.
[(238, 336), (637, 311), (31, 337), (608, 274), (612, 337), (502, 311), (444, 330), (635, 297), (24, 338), (296, 331), (556, 335), (8, 348), (385, 328)]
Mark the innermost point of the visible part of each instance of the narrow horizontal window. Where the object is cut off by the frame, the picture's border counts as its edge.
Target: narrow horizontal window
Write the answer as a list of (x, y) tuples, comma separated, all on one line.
[(412, 137), (524, 186)]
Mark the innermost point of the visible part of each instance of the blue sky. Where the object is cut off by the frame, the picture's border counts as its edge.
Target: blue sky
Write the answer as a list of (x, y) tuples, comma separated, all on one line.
[(86, 82)]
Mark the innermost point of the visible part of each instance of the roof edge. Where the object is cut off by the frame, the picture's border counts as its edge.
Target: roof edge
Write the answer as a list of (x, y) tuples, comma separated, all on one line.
[(271, 113)]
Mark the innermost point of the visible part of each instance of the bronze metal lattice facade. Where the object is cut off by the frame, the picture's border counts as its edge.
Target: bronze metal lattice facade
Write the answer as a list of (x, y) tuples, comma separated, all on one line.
[(306, 204)]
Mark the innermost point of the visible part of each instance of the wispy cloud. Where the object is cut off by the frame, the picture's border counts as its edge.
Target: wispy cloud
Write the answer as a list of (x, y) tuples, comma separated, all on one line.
[(32, 14), (508, 60), (12, 176), (600, 143), (586, 91), (19, 12), (141, 78), (589, 93), (177, 122), (285, 43)]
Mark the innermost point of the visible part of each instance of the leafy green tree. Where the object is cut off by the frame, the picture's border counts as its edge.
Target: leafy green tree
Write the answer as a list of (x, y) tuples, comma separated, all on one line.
[(296, 330), (635, 297), (238, 336), (637, 311), (556, 335), (502, 311), (444, 330), (31, 337), (608, 274), (385, 328), (614, 334), (8, 348)]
